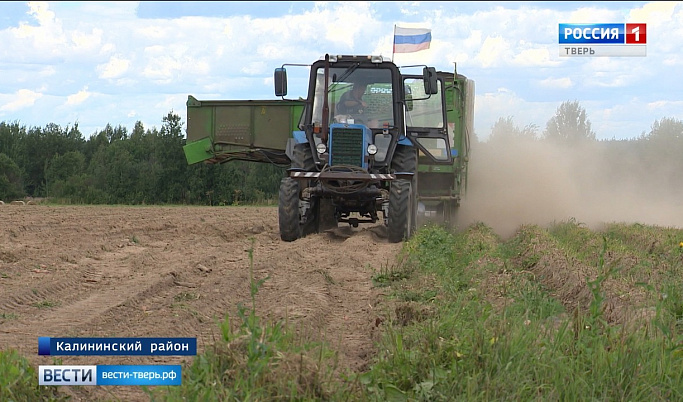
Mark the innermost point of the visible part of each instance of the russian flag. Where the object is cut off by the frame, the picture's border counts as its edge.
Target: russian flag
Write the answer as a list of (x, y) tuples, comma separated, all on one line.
[(408, 40)]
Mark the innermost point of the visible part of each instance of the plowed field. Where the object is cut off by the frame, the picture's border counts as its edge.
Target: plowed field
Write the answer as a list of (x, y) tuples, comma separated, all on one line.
[(115, 271), (94, 271)]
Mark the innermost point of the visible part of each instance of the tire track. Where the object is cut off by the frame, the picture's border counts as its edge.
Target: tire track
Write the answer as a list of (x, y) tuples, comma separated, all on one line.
[(177, 272)]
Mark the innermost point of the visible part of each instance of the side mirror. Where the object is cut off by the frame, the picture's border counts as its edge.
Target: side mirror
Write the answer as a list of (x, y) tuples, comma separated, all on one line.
[(429, 77), (280, 78)]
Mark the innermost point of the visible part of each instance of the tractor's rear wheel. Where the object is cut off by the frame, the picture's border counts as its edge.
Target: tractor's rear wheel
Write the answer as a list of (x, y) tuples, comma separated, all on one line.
[(288, 210), (401, 215), (302, 157), (404, 159)]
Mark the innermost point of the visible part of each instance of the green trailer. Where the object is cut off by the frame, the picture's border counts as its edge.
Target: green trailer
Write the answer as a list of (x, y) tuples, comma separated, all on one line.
[(442, 185), (220, 131), (398, 154)]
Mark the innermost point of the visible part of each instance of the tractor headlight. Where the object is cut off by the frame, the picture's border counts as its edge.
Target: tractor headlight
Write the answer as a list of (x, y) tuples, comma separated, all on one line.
[(321, 148), (372, 149)]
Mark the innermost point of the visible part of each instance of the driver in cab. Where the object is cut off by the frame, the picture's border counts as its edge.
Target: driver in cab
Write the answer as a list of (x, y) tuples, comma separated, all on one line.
[(351, 104)]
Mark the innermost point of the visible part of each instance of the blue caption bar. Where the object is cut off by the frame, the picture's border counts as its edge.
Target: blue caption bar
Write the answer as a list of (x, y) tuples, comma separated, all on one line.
[(592, 33), (117, 346), (110, 375)]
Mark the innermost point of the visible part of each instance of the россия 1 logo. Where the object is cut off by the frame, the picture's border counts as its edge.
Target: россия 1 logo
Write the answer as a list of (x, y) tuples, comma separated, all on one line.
[(607, 40)]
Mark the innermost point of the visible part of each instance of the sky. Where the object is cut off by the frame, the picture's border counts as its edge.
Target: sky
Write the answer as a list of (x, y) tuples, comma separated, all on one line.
[(98, 63)]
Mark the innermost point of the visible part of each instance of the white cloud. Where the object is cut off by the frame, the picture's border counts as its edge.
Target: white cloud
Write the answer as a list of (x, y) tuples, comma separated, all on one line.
[(513, 46), (346, 23), (78, 98), (493, 51), (410, 9), (161, 69), (608, 80), (665, 105), (256, 68), (46, 39), (538, 57), (170, 102), (593, 15), (39, 9), (153, 32), (47, 71), (114, 68), (107, 48), (654, 14), (87, 42), (23, 98), (672, 60), (553, 83), (474, 40)]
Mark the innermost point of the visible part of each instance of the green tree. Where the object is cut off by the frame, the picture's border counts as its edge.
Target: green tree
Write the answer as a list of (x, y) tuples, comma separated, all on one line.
[(570, 125), (667, 128), (168, 152), (94, 143), (60, 170), (38, 147), (505, 130), (117, 133), (660, 155), (11, 186), (11, 135), (172, 126), (61, 167), (138, 131), (263, 181), (114, 173)]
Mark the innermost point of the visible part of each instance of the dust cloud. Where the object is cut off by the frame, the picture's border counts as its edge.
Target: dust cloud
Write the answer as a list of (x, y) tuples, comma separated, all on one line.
[(531, 181)]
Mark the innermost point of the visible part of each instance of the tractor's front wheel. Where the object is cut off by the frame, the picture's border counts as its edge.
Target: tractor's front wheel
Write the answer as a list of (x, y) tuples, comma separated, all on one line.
[(288, 210), (401, 214)]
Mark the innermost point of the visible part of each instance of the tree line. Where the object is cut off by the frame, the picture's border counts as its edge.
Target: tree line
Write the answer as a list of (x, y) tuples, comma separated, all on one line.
[(115, 166), (148, 166), (649, 166), (570, 126)]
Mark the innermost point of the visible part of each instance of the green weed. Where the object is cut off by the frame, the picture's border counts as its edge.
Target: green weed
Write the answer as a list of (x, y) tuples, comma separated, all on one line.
[(46, 304), (19, 380)]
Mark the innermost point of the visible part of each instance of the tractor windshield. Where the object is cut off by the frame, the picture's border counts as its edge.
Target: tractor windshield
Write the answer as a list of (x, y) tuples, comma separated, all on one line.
[(355, 95)]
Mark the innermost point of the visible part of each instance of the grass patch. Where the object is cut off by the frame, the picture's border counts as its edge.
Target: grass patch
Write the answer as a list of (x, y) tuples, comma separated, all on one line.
[(19, 381), (390, 273), (46, 304), (8, 316), (185, 296), (529, 347)]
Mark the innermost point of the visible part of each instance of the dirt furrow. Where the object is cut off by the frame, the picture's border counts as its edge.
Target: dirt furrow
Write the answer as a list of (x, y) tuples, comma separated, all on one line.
[(177, 272)]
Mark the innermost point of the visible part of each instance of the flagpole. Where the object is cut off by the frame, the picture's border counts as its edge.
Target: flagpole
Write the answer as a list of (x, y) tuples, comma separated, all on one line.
[(393, 43)]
